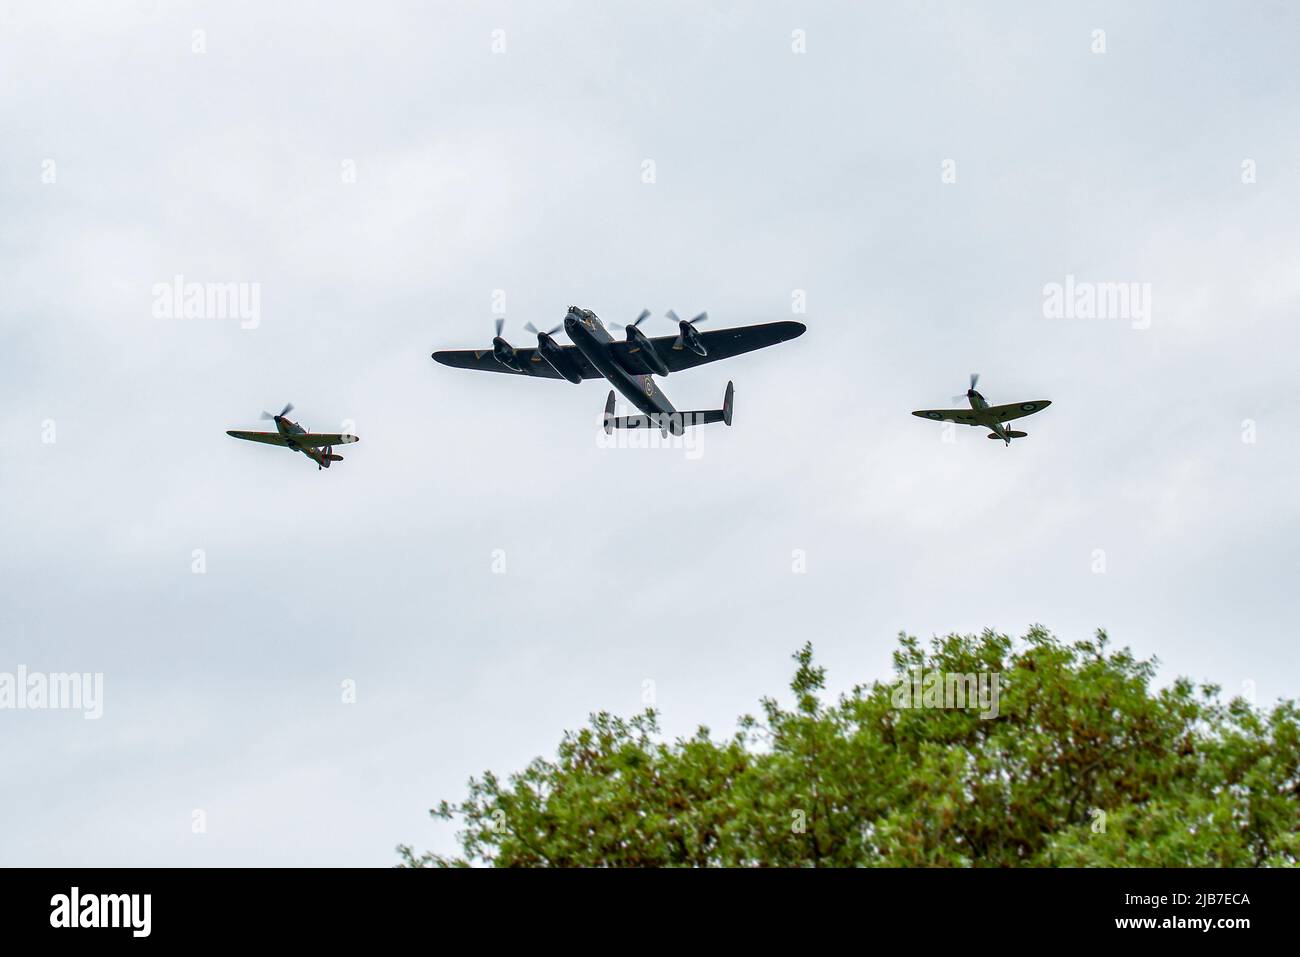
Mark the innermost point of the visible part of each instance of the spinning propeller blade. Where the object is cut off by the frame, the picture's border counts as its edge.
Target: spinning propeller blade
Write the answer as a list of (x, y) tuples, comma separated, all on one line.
[(681, 337), (645, 314), (974, 378)]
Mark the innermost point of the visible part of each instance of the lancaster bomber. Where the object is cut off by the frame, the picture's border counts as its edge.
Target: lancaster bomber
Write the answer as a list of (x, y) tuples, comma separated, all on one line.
[(629, 364)]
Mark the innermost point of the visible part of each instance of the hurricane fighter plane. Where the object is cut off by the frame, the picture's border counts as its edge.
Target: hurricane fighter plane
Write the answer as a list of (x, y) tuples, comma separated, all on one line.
[(317, 446), (629, 364), (981, 414)]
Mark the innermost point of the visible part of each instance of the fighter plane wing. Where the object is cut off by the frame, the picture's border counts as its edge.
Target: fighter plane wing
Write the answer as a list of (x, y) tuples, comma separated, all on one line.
[(529, 360), (318, 440), (270, 438), (303, 440), (1016, 410), (962, 416), (718, 343)]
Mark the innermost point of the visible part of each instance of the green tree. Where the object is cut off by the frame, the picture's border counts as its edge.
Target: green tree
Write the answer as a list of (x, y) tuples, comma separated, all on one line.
[(1084, 764)]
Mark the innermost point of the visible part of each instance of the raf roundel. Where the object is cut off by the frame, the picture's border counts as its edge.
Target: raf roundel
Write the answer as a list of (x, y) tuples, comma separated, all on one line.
[(935, 415)]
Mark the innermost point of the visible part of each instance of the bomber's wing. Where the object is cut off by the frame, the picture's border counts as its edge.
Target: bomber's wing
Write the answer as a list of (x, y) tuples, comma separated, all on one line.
[(961, 416), (270, 438), (1016, 410), (318, 440), (529, 360), (718, 343)]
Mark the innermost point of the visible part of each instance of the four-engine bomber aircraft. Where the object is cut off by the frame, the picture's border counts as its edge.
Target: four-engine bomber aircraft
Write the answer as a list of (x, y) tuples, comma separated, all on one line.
[(981, 413), (629, 364), (317, 446)]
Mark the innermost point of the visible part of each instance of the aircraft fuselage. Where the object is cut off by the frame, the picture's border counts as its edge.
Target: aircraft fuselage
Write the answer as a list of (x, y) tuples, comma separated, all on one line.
[(289, 429), (589, 335), (978, 405)]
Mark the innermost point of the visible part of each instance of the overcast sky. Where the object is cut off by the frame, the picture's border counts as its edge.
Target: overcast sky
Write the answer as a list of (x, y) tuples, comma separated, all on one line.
[(381, 170)]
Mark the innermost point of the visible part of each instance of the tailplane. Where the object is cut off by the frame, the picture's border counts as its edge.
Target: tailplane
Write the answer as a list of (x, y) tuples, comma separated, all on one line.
[(675, 422), (708, 416)]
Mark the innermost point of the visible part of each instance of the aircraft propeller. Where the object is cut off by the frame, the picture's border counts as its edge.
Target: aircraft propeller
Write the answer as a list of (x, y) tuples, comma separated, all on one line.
[(288, 407), (645, 314), (702, 317), (502, 351), (687, 335), (974, 378), (537, 332)]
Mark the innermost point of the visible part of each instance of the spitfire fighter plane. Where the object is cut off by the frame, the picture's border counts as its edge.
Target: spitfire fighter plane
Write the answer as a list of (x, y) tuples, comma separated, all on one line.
[(317, 446), (991, 417), (629, 365)]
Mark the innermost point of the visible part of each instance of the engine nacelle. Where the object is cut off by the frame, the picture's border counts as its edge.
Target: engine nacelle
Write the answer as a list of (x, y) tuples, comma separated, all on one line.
[(557, 358), (690, 337), (643, 347), (504, 353)]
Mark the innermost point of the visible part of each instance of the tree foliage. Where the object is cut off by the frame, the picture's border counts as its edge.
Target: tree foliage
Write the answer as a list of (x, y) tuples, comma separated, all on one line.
[(1085, 764)]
